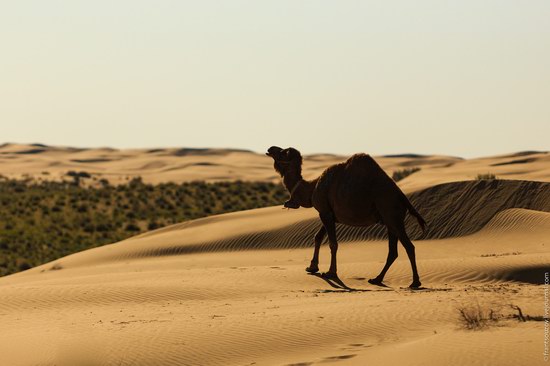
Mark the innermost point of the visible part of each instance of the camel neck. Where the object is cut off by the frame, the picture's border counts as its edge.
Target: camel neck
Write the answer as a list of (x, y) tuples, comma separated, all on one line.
[(300, 189), (296, 186), (291, 180)]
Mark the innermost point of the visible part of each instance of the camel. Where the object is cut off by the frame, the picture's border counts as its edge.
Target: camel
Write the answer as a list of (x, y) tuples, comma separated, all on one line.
[(356, 192)]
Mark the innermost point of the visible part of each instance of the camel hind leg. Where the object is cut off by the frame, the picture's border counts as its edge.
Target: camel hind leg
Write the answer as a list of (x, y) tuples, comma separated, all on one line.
[(409, 247), (392, 256), (395, 221)]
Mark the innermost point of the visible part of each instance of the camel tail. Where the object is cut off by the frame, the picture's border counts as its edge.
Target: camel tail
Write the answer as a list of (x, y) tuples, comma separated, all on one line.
[(412, 211)]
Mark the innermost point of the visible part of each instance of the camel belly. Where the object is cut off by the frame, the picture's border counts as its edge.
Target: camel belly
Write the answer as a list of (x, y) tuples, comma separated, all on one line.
[(361, 218)]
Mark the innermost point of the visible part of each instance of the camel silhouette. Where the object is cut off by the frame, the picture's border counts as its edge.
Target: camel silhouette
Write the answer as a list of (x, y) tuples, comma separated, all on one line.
[(356, 192)]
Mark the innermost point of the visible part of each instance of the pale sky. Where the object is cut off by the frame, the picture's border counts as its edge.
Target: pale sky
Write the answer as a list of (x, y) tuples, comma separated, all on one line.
[(465, 78)]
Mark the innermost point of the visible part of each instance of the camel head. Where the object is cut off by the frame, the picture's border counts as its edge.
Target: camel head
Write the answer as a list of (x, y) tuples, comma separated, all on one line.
[(286, 160)]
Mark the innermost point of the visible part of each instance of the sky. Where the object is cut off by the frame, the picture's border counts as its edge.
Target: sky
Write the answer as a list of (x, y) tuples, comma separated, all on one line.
[(463, 78)]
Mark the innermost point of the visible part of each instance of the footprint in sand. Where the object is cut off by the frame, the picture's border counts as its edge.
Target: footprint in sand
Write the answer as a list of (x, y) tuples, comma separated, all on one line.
[(355, 347), (326, 359), (337, 358)]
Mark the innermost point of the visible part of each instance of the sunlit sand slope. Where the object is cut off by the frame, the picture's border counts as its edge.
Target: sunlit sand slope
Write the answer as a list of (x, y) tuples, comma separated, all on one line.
[(232, 290)]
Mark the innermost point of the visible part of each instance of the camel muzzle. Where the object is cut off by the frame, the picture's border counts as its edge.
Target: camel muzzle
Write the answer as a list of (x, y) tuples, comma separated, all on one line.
[(273, 151)]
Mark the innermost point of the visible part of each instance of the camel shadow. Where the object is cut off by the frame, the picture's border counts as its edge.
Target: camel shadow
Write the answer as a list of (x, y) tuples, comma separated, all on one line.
[(340, 286), (337, 283), (425, 289)]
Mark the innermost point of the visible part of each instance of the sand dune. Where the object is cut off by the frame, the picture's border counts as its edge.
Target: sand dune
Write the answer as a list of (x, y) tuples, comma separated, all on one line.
[(44, 162), (232, 290), (260, 306)]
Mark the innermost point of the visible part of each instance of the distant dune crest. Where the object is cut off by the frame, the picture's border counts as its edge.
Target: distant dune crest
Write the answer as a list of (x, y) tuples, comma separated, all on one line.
[(43, 162)]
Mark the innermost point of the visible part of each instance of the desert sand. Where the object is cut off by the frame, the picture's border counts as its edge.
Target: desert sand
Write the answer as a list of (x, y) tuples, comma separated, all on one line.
[(232, 290)]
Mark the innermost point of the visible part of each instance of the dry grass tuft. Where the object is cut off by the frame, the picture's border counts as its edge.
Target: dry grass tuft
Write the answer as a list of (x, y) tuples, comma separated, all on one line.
[(477, 317)]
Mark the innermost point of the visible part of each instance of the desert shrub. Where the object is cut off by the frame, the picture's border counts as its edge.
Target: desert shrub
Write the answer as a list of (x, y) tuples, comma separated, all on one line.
[(72, 173), (153, 225), (82, 208), (132, 227), (486, 176), (404, 173), (70, 218), (22, 264), (475, 316)]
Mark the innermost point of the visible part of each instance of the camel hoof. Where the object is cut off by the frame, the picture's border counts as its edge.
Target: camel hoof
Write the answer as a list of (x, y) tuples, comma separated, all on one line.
[(415, 284), (329, 275), (312, 269), (290, 204), (375, 281)]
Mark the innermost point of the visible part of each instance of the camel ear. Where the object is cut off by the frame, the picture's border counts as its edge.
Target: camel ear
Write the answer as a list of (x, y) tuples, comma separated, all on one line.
[(293, 155), (292, 152)]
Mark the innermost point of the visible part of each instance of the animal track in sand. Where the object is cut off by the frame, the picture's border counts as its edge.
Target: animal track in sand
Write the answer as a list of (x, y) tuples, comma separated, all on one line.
[(324, 360), (337, 358), (355, 347), (424, 289)]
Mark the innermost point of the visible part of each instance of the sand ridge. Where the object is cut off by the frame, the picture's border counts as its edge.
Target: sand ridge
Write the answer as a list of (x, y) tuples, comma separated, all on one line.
[(42, 162)]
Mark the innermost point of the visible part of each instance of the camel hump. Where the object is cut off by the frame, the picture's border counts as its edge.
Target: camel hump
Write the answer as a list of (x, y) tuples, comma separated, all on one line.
[(361, 157), (365, 162)]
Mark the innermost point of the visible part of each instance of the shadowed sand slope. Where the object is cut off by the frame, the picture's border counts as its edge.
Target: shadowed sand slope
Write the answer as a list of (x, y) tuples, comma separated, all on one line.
[(461, 208)]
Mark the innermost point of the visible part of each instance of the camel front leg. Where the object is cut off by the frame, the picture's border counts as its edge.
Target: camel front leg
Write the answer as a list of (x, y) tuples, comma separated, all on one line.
[(330, 226), (314, 266)]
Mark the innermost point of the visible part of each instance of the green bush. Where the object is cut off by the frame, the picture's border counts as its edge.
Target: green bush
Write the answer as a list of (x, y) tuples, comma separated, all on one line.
[(42, 221), (404, 173), (486, 176)]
